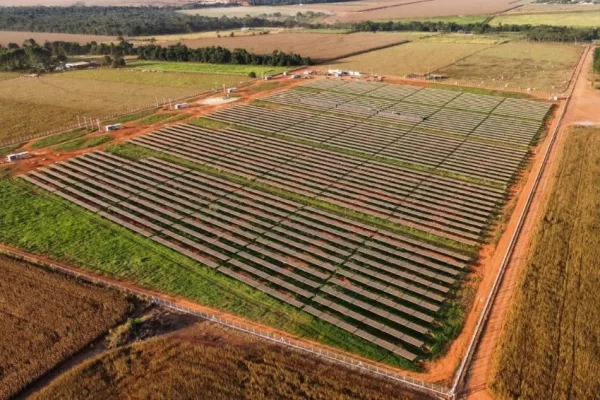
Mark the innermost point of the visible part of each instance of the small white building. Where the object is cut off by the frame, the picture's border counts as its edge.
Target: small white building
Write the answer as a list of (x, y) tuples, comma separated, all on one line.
[(18, 156), (114, 127)]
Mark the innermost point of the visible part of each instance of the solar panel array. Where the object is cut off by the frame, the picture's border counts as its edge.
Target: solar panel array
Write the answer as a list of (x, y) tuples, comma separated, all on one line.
[(384, 287)]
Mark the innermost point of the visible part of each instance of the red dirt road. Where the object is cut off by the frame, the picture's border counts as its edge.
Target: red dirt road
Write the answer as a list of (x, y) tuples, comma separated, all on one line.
[(583, 106)]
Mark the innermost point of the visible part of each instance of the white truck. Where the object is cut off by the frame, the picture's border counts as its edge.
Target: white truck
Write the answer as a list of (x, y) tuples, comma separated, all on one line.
[(18, 156), (114, 127)]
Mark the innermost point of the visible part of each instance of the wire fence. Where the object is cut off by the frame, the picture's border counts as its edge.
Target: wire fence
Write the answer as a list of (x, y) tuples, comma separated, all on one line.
[(319, 351)]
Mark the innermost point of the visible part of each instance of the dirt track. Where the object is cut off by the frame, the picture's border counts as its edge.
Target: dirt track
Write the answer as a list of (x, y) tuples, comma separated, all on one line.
[(584, 102)]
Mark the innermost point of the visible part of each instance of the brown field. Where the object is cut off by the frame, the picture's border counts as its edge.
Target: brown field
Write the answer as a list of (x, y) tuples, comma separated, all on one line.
[(552, 8), (550, 345), (29, 106), (7, 37), (415, 57), (45, 318), (317, 46), (220, 364), (519, 65)]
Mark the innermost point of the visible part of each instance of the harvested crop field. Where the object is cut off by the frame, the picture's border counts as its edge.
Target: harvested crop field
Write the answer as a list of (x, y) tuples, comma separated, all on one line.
[(550, 348), (291, 201), (318, 46), (416, 57), (540, 66), (575, 19), (33, 105), (7, 37), (221, 364), (45, 318)]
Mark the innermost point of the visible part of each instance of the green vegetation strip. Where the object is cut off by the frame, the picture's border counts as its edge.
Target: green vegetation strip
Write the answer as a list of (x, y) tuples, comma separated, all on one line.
[(136, 152), (131, 117), (84, 143), (60, 138), (227, 69), (43, 223)]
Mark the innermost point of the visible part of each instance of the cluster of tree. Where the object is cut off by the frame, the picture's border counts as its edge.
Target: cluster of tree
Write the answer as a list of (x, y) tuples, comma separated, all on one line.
[(119, 21), (543, 33), (218, 55), (34, 57), (291, 2), (596, 66)]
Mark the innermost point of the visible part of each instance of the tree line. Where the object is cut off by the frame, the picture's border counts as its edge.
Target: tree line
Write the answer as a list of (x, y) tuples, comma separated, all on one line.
[(596, 65), (542, 33), (119, 21), (34, 57), (219, 55)]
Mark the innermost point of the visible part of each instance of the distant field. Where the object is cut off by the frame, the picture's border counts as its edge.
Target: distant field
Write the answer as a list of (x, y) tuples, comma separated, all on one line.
[(29, 106), (548, 8), (458, 19), (576, 19), (222, 364), (7, 37), (415, 57), (230, 69), (233, 12), (317, 46), (550, 345), (167, 39), (543, 66), (465, 38), (45, 318)]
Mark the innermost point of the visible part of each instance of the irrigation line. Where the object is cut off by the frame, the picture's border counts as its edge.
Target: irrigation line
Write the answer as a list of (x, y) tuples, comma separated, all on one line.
[(481, 323)]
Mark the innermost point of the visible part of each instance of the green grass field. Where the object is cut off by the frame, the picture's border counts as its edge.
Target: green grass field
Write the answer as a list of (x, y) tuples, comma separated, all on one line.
[(230, 69), (458, 19), (42, 223), (30, 106), (84, 143), (575, 19)]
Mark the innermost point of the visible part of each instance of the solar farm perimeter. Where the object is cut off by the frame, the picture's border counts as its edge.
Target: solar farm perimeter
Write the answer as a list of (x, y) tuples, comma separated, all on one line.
[(394, 188)]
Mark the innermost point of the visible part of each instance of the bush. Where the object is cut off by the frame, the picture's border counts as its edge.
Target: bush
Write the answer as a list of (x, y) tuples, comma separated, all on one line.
[(252, 74)]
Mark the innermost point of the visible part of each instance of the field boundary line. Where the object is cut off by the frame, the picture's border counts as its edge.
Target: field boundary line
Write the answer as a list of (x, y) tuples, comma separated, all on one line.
[(461, 374), (163, 300)]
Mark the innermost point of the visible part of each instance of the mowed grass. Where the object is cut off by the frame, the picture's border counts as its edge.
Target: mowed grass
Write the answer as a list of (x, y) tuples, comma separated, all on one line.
[(60, 138), (415, 57), (519, 65), (221, 364), (579, 19), (42, 223), (45, 318), (231, 69), (31, 106), (84, 143), (550, 345)]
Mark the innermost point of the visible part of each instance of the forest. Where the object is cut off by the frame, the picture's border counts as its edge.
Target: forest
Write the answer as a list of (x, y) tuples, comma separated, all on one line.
[(34, 57), (596, 66), (543, 33), (118, 21)]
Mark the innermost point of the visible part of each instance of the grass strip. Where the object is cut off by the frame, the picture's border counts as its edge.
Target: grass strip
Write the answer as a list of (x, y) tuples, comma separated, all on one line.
[(130, 117), (84, 143), (204, 122), (60, 138)]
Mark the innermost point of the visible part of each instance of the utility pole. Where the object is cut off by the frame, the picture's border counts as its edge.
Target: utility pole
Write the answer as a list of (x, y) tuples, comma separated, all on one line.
[(78, 122)]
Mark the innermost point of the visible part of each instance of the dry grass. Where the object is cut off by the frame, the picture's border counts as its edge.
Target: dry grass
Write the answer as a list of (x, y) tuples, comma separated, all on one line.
[(220, 364), (7, 37), (575, 19), (318, 46), (551, 343), (415, 57), (543, 66), (29, 106), (45, 318)]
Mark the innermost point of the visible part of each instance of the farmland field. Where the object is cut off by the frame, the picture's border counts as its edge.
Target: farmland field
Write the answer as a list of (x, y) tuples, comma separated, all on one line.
[(318, 46), (228, 69), (549, 348), (575, 19), (221, 364), (7, 37), (45, 318), (337, 217), (240, 12), (29, 106), (415, 57), (543, 66)]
